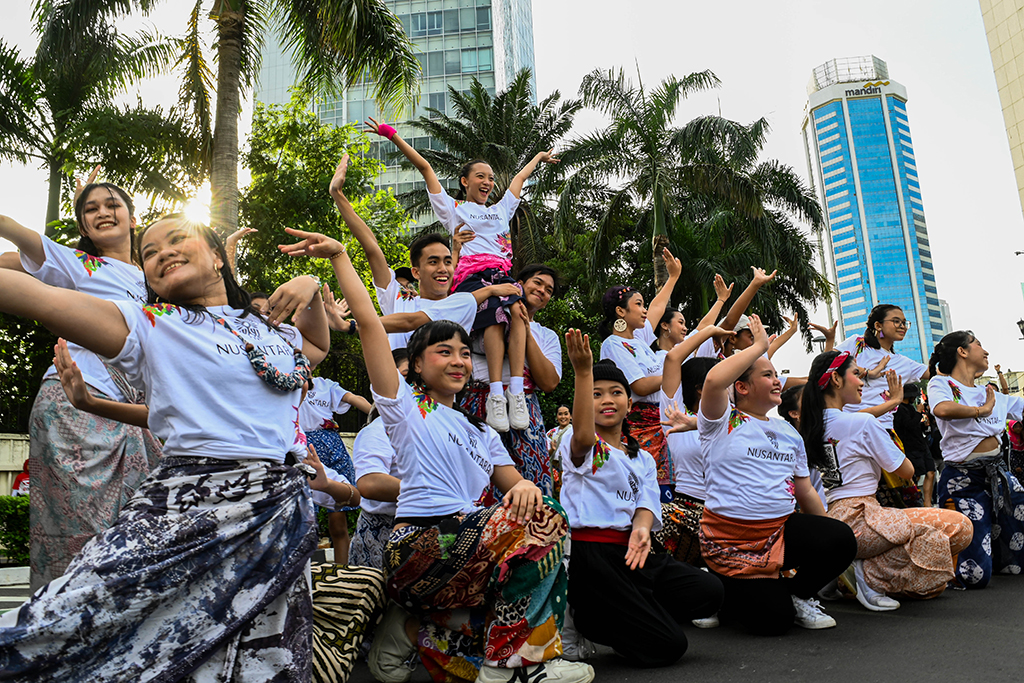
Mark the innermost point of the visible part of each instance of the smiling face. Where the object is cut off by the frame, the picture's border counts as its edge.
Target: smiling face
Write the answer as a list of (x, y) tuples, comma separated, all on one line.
[(974, 356), (611, 403), (675, 328), (105, 219), (893, 326), (633, 311), (444, 367), (761, 390), (180, 265), (849, 386), (537, 291), (563, 417), (478, 182), (434, 271)]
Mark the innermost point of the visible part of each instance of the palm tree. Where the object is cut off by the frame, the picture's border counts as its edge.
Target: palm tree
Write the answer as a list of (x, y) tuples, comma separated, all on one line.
[(55, 107), (507, 130)]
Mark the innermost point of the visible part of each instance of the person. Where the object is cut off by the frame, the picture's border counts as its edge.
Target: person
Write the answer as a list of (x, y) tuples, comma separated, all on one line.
[(20, 487), (562, 428), (376, 468), (736, 320), (84, 467), (671, 329), (470, 574), (789, 410), (975, 479), (202, 574), (261, 302), (528, 447), (755, 470), (909, 427), (908, 552), (325, 399), (622, 596), (486, 260), (628, 336)]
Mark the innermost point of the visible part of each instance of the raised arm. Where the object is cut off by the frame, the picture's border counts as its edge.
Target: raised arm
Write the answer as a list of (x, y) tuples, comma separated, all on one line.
[(379, 366), (759, 280), (660, 302), (80, 397), (231, 246), (360, 230), (714, 399), (301, 295), (28, 241), (779, 341), (11, 261), (723, 293), (828, 332), (671, 373), (85, 320), (577, 345), (516, 186), (895, 383), (386, 131), (948, 410)]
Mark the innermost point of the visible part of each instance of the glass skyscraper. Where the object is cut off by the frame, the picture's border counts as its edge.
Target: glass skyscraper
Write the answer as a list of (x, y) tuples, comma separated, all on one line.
[(456, 40), (860, 159)]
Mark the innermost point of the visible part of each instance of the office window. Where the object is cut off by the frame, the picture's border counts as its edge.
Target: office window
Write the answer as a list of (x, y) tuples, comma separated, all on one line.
[(467, 19), (469, 61), (435, 23), (485, 60), (451, 21), (435, 62), (437, 101), (483, 18), (418, 23), (452, 61)]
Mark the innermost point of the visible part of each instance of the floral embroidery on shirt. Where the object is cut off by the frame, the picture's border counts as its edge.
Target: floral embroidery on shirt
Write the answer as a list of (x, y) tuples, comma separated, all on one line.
[(957, 394), (505, 243), (300, 436), (736, 418), (328, 424), (153, 310), (629, 348), (406, 294), (91, 263), (424, 402), (791, 487), (601, 453), (859, 346)]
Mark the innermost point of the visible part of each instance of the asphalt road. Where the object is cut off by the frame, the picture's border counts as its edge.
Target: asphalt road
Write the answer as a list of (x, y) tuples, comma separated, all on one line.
[(960, 637)]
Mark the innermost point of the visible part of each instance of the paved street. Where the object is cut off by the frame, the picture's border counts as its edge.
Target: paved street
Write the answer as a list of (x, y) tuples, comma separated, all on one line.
[(962, 636)]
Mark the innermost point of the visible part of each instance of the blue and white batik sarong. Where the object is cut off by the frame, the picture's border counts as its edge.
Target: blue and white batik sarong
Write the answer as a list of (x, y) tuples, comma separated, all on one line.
[(369, 539), (202, 577)]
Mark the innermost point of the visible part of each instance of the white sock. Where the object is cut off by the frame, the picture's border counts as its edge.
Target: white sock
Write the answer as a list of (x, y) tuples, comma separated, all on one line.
[(497, 389), (515, 385)]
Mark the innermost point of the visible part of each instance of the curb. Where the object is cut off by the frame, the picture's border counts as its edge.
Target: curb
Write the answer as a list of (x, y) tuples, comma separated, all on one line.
[(11, 576)]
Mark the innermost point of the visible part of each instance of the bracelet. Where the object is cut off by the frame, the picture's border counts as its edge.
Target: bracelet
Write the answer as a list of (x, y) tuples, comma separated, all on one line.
[(353, 327), (977, 413), (351, 492), (384, 130), (340, 252), (315, 279)]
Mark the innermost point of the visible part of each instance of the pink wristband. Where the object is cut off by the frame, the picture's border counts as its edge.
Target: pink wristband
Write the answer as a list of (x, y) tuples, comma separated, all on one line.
[(386, 131)]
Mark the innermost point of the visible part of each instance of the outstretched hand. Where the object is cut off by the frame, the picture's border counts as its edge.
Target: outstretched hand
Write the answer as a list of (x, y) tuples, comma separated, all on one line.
[(758, 331), (827, 332), (761, 278), (88, 181), (339, 176), (674, 265), (70, 376), (677, 420), (336, 309), (312, 244), (876, 372), (895, 383), (639, 547), (548, 157), (722, 291), (577, 346)]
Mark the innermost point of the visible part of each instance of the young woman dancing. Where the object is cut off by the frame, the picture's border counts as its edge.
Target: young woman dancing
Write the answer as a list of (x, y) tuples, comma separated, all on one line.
[(485, 260), (84, 467), (486, 582), (907, 552), (755, 471), (628, 336), (975, 479), (201, 575), (622, 596)]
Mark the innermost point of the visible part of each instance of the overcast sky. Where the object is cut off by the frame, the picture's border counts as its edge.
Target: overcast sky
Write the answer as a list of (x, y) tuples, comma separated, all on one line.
[(764, 52)]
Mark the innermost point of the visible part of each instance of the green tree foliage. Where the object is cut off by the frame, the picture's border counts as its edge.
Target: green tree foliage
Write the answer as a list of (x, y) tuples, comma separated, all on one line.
[(55, 107), (14, 536), (292, 157)]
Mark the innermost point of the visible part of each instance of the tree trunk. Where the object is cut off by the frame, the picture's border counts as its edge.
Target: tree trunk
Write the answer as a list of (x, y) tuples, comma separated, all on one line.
[(660, 269), (224, 169), (53, 198)]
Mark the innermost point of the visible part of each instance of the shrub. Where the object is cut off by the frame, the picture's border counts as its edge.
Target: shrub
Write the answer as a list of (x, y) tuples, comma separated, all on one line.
[(14, 528)]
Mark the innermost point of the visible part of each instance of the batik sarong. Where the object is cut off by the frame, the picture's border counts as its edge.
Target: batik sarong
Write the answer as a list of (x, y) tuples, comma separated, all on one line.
[(493, 310), (528, 447), (490, 591), (332, 453), (83, 469), (897, 492), (679, 535), (645, 426), (998, 520), (369, 539), (908, 552), (347, 603), (201, 578)]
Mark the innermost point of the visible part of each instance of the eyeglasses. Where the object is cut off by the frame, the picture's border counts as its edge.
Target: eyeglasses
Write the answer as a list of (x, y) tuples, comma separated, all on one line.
[(905, 324)]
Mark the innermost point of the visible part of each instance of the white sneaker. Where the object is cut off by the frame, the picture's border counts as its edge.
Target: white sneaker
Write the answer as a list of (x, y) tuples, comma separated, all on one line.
[(391, 656), (575, 647), (518, 411), (809, 614), (707, 622), (497, 412), (553, 671), (868, 596)]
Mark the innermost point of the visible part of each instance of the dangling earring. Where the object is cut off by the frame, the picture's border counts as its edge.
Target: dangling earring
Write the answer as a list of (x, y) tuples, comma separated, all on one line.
[(619, 325), (881, 335)]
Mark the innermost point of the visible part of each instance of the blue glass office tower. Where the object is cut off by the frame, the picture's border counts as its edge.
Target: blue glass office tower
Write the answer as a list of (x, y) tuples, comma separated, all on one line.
[(860, 158)]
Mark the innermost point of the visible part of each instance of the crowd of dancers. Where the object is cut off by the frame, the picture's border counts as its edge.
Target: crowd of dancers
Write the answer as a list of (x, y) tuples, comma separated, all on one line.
[(180, 444)]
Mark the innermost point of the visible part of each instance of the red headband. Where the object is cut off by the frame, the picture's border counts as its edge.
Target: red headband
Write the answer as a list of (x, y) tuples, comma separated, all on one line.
[(833, 366)]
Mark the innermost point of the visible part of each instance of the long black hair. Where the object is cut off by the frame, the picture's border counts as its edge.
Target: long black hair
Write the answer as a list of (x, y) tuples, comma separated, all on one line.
[(944, 357), (435, 332), (85, 243), (790, 402), (615, 297), (464, 173), (877, 315), (691, 378), (666, 319), (812, 407)]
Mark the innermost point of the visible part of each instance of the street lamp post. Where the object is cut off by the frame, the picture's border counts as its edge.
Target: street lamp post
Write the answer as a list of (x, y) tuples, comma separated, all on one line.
[(1020, 326), (820, 340)]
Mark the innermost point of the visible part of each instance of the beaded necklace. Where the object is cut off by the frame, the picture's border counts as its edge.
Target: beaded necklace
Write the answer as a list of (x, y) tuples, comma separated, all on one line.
[(281, 381)]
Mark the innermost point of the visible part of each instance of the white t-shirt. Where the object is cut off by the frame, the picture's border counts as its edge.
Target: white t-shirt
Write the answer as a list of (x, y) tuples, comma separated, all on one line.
[(205, 399), (607, 489), (444, 462), (323, 400), (103, 278), (750, 465), (635, 358), (686, 452), (549, 345), (490, 223), (373, 454), (876, 391), (394, 298), (859, 448), (707, 350), (961, 437), (460, 307), (555, 439)]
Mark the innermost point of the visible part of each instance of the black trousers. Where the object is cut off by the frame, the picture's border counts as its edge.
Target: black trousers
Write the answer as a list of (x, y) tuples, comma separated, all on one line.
[(819, 548), (639, 613)]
